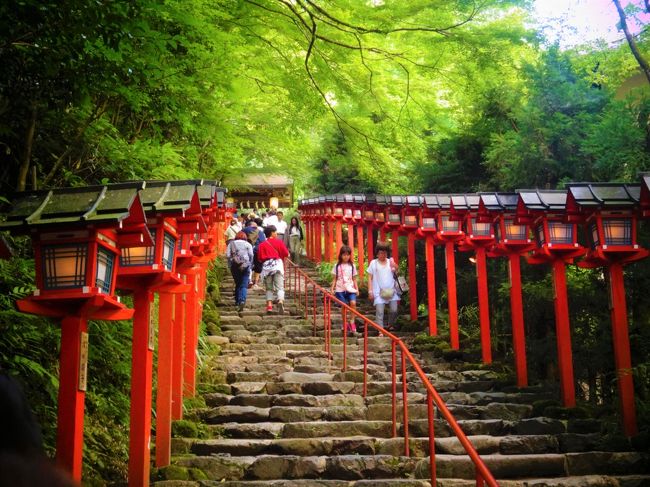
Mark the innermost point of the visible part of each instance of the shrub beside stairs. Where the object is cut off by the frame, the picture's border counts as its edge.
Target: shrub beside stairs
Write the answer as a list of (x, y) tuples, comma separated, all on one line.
[(283, 417)]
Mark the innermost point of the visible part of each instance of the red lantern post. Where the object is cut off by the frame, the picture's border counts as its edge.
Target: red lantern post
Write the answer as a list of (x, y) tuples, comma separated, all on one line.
[(330, 232), (427, 229), (449, 233), (357, 218), (512, 240), (478, 237), (348, 218), (369, 219), (393, 211), (337, 213), (409, 226), (557, 245), (143, 271), (609, 212), (77, 234), (188, 226)]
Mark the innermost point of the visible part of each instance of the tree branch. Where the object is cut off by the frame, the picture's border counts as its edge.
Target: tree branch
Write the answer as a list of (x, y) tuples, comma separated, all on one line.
[(631, 42)]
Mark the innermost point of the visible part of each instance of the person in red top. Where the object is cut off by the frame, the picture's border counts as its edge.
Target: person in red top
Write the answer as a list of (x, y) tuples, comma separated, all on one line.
[(271, 253)]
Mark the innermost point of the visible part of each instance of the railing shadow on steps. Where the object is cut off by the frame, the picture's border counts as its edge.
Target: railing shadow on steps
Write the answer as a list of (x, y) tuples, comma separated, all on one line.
[(300, 285)]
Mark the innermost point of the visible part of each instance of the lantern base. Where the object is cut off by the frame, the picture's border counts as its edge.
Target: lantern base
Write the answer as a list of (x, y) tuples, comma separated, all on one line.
[(95, 307), (602, 257)]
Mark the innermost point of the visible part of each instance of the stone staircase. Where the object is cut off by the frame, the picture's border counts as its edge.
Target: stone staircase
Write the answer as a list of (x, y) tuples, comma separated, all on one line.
[(289, 417)]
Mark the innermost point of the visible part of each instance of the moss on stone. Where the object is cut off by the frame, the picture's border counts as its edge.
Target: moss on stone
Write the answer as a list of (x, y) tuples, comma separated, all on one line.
[(184, 428), (173, 472)]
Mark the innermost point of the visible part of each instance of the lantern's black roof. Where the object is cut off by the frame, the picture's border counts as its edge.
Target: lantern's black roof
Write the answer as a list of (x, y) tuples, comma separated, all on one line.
[(586, 196), (382, 199), (169, 196), (465, 202), (645, 188), (340, 198), (330, 197), (371, 198), (353, 198), (209, 192), (413, 200), (430, 201), (395, 200), (89, 204), (543, 199), (499, 201), (322, 199)]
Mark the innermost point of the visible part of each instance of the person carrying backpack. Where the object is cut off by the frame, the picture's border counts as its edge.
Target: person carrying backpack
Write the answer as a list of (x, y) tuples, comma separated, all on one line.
[(255, 237), (271, 254), (240, 260)]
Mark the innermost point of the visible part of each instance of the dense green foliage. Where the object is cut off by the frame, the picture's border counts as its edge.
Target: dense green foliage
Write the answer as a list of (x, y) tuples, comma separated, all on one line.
[(342, 95)]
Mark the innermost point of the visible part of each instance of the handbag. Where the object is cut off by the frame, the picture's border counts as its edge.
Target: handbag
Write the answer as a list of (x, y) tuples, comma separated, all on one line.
[(401, 283), (349, 287), (387, 292)]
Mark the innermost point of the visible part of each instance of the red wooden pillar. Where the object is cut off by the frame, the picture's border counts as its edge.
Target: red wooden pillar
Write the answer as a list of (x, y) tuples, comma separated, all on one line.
[(166, 316), (382, 234), (413, 301), (351, 237), (431, 285), (370, 241), (483, 304), (621, 343), (191, 313), (339, 239), (517, 312), (316, 240), (395, 246), (563, 334), (311, 253), (177, 356), (312, 240), (328, 240), (72, 394), (450, 262), (360, 256), (141, 384)]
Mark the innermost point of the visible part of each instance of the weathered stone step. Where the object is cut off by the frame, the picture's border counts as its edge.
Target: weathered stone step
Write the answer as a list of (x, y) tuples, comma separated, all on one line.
[(241, 421), (357, 467), (251, 408), (366, 445), (582, 481)]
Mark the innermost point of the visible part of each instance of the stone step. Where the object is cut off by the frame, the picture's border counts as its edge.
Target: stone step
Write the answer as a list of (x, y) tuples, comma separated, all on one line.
[(241, 421), (367, 445), (359, 466), (582, 481), (374, 407)]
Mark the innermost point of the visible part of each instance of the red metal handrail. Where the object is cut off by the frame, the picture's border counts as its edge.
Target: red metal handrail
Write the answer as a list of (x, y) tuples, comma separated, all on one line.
[(300, 284)]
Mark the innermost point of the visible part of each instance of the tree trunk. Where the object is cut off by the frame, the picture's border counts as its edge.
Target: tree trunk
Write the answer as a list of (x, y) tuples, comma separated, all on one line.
[(631, 42), (23, 170)]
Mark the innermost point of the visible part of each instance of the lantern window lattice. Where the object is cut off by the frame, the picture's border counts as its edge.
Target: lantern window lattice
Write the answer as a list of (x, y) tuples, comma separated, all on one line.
[(560, 233), (105, 269), (480, 229), (515, 232), (617, 231), (136, 256), (64, 266), (449, 225), (169, 244)]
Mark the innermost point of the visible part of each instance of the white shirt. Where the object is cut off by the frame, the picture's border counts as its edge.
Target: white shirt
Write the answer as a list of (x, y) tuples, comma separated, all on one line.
[(271, 220), (281, 225), (382, 277)]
